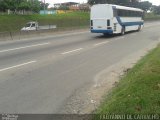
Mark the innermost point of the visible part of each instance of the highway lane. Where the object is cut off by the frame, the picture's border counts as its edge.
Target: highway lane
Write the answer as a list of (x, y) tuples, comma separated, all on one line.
[(39, 75)]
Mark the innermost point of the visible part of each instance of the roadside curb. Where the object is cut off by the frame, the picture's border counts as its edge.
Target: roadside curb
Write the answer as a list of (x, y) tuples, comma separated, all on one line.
[(18, 35)]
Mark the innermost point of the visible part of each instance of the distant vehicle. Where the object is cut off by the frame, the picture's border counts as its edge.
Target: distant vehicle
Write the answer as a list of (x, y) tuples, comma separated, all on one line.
[(31, 26), (114, 19)]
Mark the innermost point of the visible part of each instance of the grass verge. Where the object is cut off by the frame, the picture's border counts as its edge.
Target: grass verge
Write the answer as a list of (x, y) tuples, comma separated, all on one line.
[(16, 22), (151, 17), (138, 92)]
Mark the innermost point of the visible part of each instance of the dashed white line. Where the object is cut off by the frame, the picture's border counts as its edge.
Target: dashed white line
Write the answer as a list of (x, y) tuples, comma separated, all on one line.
[(76, 50), (76, 33), (23, 64), (118, 38), (133, 34), (24, 47), (101, 43)]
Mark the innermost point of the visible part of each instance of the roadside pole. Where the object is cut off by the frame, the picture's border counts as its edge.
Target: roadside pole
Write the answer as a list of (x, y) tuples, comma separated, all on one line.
[(44, 7)]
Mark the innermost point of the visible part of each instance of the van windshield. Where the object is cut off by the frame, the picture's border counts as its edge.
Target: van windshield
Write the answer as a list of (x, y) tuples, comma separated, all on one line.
[(28, 25)]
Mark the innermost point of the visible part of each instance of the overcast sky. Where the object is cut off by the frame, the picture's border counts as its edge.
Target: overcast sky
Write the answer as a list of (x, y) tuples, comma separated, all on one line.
[(51, 2)]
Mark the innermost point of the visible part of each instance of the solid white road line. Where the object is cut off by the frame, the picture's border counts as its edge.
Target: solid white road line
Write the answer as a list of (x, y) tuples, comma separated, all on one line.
[(17, 66), (101, 43), (24, 47), (71, 51)]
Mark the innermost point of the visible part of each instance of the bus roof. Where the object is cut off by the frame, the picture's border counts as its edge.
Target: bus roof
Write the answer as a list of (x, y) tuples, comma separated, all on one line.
[(122, 7)]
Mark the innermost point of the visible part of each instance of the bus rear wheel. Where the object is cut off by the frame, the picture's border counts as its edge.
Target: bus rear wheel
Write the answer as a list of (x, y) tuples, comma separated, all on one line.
[(139, 28), (123, 31)]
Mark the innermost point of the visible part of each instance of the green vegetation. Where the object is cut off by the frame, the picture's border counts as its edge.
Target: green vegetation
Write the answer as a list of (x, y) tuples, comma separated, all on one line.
[(20, 5), (16, 22), (138, 91), (152, 16)]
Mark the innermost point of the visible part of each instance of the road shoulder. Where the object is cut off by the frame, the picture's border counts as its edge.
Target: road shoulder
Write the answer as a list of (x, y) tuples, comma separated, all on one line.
[(88, 99)]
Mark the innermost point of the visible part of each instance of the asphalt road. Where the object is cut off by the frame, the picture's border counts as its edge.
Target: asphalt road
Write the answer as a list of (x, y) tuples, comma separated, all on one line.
[(39, 75)]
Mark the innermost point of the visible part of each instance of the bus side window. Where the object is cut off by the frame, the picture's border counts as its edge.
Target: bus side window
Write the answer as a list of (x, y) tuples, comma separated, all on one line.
[(120, 13), (127, 13), (130, 13)]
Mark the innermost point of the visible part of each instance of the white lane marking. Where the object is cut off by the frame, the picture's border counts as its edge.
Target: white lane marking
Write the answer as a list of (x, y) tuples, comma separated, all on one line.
[(24, 47), (133, 34), (17, 66), (72, 51), (76, 33), (101, 43), (118, 38)]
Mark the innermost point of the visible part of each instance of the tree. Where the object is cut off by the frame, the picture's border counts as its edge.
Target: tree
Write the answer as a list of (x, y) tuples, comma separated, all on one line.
[(3, 5), (6, 4), (118, 2), (156, 9), (145, 5), (14, 5), (35, 6), (24, 5), (42, 4)]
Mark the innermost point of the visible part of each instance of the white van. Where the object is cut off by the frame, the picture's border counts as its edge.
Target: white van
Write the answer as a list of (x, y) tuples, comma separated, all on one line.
[(30, 26)]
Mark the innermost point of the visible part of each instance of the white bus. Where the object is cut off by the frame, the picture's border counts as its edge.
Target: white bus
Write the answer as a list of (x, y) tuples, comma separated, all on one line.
[(115, 19)]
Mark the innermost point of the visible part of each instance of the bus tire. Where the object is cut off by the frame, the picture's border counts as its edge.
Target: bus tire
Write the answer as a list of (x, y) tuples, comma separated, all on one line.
[(123, 31), (139, 28)]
